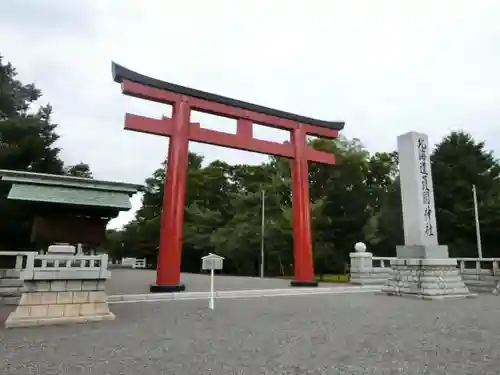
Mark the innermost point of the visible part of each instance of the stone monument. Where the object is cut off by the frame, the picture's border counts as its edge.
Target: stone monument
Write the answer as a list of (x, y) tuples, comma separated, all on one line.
[(422, 268)]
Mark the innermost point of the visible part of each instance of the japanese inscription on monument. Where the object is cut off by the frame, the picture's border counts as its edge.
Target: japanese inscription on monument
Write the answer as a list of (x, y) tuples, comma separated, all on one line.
[(424, 180), (417, 194)]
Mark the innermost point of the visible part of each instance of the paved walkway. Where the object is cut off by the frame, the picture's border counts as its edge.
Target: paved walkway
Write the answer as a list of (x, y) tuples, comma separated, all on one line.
[(334, 335), (127, 281)]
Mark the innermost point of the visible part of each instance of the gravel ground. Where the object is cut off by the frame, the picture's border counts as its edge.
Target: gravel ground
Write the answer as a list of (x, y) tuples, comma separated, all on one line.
[(138, 281), (341, 334)]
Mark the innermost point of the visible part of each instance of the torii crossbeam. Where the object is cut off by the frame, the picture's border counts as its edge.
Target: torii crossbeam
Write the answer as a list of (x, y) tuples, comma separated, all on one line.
[(180, 130)]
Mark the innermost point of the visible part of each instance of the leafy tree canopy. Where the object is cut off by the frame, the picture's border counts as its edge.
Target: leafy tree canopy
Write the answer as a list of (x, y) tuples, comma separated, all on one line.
[(28, 140)]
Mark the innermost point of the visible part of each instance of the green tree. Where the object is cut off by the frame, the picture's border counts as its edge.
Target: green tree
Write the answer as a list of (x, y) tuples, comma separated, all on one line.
[(223, 210), (347, 204), (79, 170), (389, 222), (114, 244), (384, 229), (206, 188), (239, 239), (27, 142), (458, 162)]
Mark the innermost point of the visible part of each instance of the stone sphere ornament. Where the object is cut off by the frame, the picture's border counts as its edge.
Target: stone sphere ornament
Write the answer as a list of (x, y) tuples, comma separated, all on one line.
[(360, 247)]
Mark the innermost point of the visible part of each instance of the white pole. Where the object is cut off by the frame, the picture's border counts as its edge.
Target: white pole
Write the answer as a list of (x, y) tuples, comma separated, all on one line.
[(262, 236), (476, 217), (211, 305)]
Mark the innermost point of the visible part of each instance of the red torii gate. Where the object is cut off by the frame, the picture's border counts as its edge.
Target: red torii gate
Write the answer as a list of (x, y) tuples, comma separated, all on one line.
[(181, 131)]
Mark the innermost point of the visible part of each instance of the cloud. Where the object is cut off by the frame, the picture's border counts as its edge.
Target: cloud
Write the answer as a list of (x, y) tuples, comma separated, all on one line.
[(68, 18), (384, 67)]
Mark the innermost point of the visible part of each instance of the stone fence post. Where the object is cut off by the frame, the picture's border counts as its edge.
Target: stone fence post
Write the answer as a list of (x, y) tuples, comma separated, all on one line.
[(362, 270), (361, 264)]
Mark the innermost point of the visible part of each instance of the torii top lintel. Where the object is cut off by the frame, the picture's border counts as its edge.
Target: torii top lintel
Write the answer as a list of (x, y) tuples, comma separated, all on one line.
[(137, 85)]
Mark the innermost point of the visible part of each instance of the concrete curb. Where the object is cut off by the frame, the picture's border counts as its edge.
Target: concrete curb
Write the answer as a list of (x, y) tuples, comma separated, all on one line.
[(155, 297)]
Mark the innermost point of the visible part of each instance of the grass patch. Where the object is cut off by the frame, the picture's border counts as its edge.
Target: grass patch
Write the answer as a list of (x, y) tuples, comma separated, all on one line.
[(327, 278)]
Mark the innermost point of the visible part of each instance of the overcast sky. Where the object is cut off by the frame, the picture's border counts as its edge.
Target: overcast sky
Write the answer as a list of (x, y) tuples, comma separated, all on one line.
[(383, 67)]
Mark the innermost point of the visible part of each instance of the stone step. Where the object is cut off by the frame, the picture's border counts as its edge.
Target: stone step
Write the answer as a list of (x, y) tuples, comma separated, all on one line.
[(10, 300), (481, 290), (8, 273), (244, 293), (8, 282), (481, 287), (481, 282), (368, 281), (10, 291)]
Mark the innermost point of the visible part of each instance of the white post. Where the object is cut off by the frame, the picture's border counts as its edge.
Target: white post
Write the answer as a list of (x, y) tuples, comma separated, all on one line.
[(19, 262), (103, 269), (476, 218), (262, 236), (211, 304)]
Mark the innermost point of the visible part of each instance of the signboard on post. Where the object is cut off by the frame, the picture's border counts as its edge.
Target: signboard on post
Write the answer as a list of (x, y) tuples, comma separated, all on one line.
[(212, 262)]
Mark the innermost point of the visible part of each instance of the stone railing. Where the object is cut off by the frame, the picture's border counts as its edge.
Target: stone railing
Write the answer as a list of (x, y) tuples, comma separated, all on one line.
[(382, 262), (12, 262), (56, 267), (128, 263), (479, 274), (479, 266), (139, 263)]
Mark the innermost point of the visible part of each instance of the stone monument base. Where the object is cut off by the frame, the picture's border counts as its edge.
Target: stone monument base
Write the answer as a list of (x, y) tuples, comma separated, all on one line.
[(422, 251), (427, 279), (60, 302)]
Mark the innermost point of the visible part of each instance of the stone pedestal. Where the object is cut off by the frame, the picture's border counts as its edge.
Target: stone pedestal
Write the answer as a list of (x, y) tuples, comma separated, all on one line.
[(422, 251), (427, 279), (60, 302), (62, 289)]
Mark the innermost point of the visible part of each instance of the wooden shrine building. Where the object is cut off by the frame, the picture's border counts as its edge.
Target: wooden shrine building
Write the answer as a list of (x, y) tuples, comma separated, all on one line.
[(66, 209)]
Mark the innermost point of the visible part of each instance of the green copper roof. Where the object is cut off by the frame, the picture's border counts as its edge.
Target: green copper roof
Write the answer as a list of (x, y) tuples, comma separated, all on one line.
[(69, 181), (64, 195), (39, 187)]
